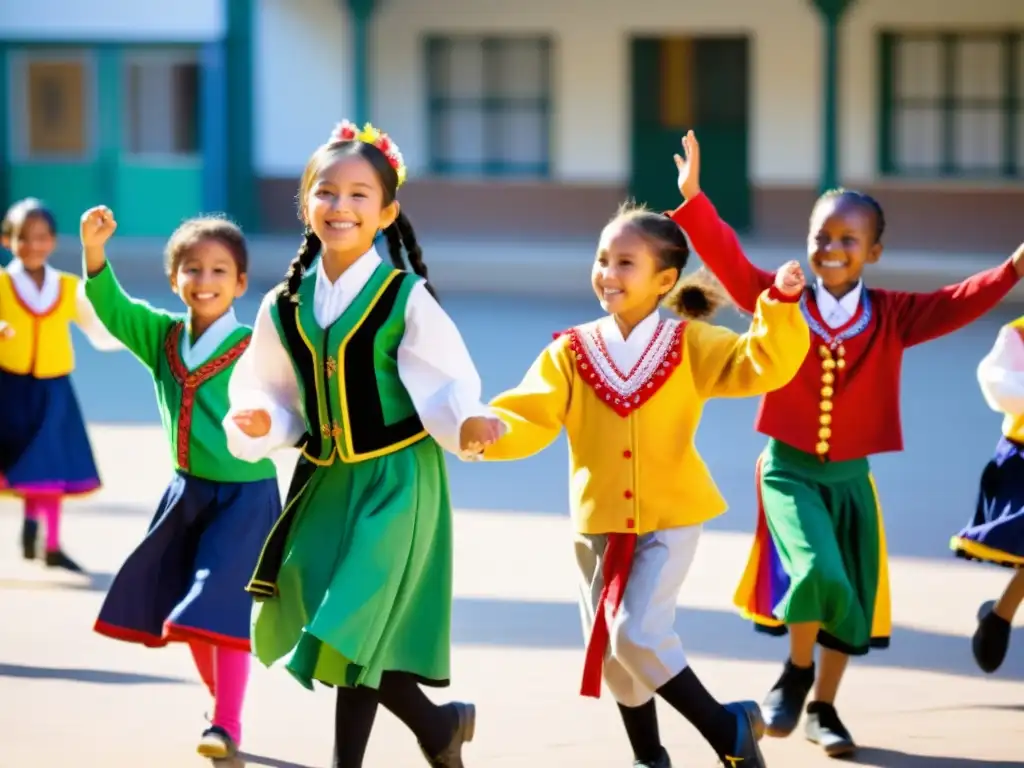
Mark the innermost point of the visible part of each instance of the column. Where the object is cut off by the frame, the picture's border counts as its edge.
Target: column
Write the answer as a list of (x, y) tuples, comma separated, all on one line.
[(832, 12), (238, 68), (360, 16)]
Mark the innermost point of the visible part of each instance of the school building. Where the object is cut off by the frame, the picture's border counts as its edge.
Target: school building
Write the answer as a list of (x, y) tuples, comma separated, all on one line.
[(530, 119)]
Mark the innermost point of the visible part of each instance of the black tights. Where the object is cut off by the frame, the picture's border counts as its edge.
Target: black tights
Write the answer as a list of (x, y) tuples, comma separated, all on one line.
[(356, 709)]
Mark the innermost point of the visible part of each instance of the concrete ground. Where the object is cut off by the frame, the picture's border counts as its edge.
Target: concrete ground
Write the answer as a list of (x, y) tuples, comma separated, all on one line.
[(70, 697)]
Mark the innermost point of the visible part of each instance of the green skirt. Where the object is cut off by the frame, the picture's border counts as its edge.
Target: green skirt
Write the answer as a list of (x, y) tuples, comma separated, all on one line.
[(356, 579), (819, 551)]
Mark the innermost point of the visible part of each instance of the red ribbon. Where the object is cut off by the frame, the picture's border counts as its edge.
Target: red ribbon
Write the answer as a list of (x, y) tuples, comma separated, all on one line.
[(616, 564)]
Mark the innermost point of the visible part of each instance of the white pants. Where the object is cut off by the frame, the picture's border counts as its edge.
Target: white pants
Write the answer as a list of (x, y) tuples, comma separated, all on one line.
[(644, 651)]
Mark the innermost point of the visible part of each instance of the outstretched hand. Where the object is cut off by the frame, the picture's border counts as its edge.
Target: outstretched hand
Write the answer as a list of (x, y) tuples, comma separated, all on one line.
[(6, 331), (688, 165), (790, 280), (478, 432), (253, 423)]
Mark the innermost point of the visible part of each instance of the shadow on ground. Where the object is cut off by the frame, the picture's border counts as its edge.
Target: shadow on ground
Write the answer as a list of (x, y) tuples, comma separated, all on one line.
[(890, 758), (94, 676)]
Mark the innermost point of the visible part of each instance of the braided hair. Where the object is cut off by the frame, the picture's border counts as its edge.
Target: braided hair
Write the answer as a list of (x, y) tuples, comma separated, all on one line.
[(400, 236), (695, 297), (861, 199)]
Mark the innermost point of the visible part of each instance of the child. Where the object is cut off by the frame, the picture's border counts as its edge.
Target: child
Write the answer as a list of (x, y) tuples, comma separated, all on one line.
[(818, 564), (996, 533), (355, 361), (629, 390), (45, 453), (186, 580)]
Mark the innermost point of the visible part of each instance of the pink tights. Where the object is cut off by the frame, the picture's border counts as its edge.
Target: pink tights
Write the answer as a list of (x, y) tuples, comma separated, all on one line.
[(46, 506), (225, 672)]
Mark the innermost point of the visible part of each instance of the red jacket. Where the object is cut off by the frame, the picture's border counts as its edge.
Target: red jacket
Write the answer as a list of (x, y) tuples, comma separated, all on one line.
[(865, 405)]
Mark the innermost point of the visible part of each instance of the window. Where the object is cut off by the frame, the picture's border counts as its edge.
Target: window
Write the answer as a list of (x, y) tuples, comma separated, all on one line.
[(953, 105), (490, 105), (53, 95), (161, 104)]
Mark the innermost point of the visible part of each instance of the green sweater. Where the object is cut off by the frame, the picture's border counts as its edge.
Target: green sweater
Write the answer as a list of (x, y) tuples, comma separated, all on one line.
[(192, 404)]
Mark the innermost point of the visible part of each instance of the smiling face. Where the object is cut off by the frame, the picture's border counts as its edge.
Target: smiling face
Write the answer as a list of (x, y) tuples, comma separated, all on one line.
[(628, 278), (32, 241), (842, 240), (345, 203), (207, 279)]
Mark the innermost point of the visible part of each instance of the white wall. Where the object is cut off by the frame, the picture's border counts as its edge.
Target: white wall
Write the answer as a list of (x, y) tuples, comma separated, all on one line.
[(302, 86), (301, 83), (105, 20)]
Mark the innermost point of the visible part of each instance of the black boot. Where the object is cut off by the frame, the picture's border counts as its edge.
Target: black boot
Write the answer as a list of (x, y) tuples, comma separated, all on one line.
[(29, 534), (825, 729), (464, 716), (749, 728), (662, 761), (784, 703), (57, 559), (991, 638)]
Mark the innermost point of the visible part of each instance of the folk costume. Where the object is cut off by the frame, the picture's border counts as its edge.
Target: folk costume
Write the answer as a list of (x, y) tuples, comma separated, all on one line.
[(995, 533), (45, 452), (819, 549), (639, 490), (372, 379), (186, 580)]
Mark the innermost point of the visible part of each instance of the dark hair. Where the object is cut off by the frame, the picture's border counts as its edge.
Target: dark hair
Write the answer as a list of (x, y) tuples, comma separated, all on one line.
[(194, 231), (861, 199), (697, 296), (24, 210), (400, 235)]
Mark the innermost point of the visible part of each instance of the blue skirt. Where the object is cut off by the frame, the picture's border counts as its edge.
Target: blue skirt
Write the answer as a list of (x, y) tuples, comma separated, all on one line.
[(186, 580), (44, 447), (996, 532)]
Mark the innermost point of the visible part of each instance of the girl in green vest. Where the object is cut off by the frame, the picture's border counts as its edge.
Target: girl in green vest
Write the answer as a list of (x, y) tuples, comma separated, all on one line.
[(185, 581), (354, 361)]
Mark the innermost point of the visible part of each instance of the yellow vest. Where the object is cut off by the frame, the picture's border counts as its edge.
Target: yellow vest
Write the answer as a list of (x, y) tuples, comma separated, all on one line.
[(41, 344), (633, 465)]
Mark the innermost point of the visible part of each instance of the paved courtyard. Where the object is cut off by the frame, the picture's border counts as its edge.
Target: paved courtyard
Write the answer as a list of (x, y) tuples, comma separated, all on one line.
[(70, 697)]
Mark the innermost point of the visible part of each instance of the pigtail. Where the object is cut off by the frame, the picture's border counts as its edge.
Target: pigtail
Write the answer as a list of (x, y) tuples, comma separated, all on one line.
[(303, 259), (401, 235), (697, 296)]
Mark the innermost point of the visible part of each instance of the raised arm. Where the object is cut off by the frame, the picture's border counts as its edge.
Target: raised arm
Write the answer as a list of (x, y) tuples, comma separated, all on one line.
[(437, 371), (1001, 373), (534, 411), (765, 358), (263, 382), (714, 240), (137, 325), (91, 326), (926, 316)]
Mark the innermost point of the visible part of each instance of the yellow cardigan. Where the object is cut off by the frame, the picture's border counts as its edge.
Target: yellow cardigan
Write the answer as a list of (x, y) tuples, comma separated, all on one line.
[(41, 344), (634, 467)]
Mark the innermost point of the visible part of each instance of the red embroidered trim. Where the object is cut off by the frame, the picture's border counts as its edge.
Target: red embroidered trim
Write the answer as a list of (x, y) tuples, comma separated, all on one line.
[(190, 383), (626, 405)]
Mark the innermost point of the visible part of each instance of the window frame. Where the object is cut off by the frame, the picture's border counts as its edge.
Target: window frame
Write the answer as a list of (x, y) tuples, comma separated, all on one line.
[(19, 139), (1011, 104), (169, 56), (488, 104)]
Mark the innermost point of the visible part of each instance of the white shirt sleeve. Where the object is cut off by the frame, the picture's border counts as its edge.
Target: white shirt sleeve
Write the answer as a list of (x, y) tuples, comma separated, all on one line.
[(95, 331), (1001, 373), (264, 379), (437, 371)]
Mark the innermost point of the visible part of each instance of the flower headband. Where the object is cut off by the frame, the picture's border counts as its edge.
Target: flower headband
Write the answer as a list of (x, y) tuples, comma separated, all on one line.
[(349, 131)]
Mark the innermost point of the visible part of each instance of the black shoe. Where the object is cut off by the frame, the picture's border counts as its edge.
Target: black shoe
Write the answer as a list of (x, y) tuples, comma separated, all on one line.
[(451, 756), (784, 703), (749, 729), (991, 638), (661, 761), (57, 559), (29, 533), (825, 729)]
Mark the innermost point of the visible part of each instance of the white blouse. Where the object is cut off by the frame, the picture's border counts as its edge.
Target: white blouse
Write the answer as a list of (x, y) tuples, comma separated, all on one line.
[(41, 298), (837, 312), (433, 365), (1001, 374)]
